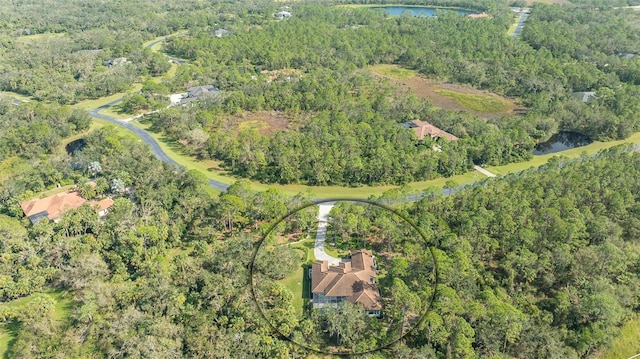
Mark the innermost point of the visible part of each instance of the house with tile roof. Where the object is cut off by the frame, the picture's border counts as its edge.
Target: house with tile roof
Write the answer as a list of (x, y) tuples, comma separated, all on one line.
[(54, 206), (351, 280), (424, 129)]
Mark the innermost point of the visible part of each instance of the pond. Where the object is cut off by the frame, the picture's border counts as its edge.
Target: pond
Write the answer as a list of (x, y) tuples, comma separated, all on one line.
[(74, 146), (561, 141), (419, 11)]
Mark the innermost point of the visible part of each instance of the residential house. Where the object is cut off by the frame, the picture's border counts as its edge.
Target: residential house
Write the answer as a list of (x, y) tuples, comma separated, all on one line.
[(424, 129), (221, 32), (626, 56), (54, 206), (584, 96), (282, 15), (197, 92), (117, 61), (352, 281)]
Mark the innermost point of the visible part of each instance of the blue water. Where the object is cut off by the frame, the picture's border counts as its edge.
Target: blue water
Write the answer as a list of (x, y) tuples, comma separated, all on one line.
[(418, 11)]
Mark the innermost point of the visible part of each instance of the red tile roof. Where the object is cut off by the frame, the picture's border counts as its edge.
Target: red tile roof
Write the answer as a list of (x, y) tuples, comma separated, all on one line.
[(57, 204), (423, 128), (352, 280)]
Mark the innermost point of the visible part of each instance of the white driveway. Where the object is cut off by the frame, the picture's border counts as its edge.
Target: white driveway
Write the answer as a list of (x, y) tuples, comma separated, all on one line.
[(318, 250), (483, 171)]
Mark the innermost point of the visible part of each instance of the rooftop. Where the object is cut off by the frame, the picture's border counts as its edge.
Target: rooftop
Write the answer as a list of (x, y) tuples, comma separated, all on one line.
[(55, 205), (353, 280), (423, 128)]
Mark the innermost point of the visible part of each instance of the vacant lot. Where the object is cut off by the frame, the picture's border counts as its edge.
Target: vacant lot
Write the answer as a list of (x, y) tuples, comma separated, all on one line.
[(265, 122), (455, 97)]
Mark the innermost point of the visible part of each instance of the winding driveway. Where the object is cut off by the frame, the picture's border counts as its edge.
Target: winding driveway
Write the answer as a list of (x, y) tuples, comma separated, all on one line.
[(321, 234)]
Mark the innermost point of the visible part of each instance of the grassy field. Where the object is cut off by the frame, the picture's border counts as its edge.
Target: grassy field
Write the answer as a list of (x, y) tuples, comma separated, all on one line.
[(294, 282), (394, 71), (626, 344), (29, 39), (61, 310), (476, 102), (16, 95), (95, 103)]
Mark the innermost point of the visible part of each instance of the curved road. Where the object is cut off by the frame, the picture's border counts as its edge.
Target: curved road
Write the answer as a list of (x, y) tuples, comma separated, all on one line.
[(143, 135)]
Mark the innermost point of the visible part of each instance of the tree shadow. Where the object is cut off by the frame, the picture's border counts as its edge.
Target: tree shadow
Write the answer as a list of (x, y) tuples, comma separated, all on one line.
[(12, 328)]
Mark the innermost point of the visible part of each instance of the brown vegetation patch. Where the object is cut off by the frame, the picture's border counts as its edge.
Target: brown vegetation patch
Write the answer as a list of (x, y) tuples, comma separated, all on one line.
[(428, 89), (282, 74), (265, 122)]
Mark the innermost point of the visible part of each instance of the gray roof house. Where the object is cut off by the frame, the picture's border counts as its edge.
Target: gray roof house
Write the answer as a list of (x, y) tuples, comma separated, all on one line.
[(197, 92), (221, 32), (585, 96)]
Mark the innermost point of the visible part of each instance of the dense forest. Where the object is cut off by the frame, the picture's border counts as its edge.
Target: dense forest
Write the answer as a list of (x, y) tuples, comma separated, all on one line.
[(543, 263)]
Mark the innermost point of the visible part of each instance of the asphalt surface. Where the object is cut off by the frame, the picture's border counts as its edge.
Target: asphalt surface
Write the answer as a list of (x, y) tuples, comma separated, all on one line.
[(523, 17)]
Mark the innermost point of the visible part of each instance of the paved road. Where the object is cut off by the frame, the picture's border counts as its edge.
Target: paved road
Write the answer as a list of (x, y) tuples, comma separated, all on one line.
[(173, 59), (146, 138), (523, 17), (483, 171), (318, 250)]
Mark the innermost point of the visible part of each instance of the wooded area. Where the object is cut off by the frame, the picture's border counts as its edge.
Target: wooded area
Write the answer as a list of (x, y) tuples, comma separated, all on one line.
[(542, 263)]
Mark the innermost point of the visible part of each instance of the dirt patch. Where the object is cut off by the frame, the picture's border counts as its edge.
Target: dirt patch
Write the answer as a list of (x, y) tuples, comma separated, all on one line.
[(428, 89), (265, 122)]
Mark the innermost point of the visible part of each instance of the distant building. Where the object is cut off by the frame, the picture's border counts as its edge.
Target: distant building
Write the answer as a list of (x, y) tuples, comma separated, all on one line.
[(584, 96), (424, 129), (117, 61), (221, 32), (197, 92), (352, 281), (282, 15), (54, 206), (626, 56)]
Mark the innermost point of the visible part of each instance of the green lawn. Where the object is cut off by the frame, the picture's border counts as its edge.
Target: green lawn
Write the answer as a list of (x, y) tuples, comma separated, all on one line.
[(28, 39), (476, 102), (295, 283), (61, 310), (16, 95), (95, 103), (113, 111), (394, 71), (626, 344)]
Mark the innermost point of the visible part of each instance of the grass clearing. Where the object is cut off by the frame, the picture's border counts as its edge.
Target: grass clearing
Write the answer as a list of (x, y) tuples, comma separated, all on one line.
[(61, 310), (476, 102), (29, 39), (394, 71), (95, 103), (16, 96), (295, 283), (626, 344)]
